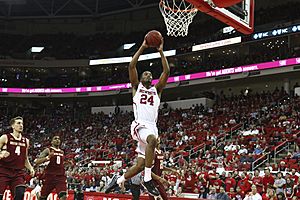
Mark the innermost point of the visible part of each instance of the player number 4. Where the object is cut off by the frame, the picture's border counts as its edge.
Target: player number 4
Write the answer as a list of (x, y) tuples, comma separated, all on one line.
[(18, 150), (145, 99)]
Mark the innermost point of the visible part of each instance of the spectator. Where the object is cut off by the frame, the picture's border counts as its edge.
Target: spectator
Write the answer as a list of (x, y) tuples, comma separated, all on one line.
[(268, 179), (279, 183), (222, 195), (229, 182), (297, 189), (240, 194), (212, 194), (202, 193), (253, 195), (117, 110), (282, 166), (244, 183), (189, 182), (243, 150), (258, 181), (232, 194), (258, 150), (280, 196), (269, 195), (289, 189), (294, 176)]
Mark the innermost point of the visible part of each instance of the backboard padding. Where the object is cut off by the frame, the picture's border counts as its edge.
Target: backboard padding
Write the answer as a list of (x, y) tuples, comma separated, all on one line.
[(245, 25)]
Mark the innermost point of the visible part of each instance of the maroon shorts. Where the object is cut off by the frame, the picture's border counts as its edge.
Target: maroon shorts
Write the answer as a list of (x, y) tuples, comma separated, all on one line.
[(51, 182), (12, 178), (161, 189)]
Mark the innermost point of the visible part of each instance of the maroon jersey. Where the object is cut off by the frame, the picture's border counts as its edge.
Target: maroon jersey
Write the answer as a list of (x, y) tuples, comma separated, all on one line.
[(17, 153), (158, 163), (56, 164)]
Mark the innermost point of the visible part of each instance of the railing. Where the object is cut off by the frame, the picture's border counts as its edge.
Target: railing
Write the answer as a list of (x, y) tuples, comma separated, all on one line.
[(235, 128), (197, 148), (260, 161), (221, 137), (202, 146), (85, 161), (278, 149), (190, 153)]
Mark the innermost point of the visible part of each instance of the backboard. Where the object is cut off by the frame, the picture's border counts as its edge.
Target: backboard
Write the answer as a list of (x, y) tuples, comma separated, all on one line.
[(239, 16)]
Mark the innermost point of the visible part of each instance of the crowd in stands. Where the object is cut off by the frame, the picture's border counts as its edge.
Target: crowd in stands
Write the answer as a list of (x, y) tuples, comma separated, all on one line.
[(204, 144)]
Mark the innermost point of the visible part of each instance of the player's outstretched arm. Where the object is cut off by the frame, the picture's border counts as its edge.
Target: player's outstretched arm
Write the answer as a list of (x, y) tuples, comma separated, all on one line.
[(166, 70), (133, 75), (174, 171), (43, 157), (160, 179), (3, 152), (27, 163)]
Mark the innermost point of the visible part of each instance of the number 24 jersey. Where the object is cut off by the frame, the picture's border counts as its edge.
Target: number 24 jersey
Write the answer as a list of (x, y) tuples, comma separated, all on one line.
[(146, 104)]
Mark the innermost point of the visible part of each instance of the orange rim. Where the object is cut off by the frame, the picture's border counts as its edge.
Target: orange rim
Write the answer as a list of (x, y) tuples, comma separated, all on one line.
[(162, 4)]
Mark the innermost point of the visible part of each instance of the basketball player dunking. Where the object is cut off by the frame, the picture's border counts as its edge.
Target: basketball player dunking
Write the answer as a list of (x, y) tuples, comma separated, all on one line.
[(146, 101), (13, 160), (55, 172)]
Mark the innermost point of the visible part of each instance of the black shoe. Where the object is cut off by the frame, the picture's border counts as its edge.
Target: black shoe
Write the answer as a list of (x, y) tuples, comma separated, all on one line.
[(113, 184), (152, 190)]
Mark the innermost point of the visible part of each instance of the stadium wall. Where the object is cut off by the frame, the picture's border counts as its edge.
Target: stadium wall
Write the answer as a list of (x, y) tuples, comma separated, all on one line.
[(183, 104)]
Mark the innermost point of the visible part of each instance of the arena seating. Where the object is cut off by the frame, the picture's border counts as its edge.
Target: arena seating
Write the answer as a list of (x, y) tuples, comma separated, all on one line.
[(197, 140)]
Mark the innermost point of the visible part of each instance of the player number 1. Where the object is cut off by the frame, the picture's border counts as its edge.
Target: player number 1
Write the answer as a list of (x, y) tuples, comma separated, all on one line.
[(58, 160), (18, 150)]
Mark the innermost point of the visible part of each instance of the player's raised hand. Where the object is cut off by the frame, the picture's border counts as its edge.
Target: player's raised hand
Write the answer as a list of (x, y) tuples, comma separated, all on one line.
[(4, 154), (161, 46), (32, 172), (145, 45)]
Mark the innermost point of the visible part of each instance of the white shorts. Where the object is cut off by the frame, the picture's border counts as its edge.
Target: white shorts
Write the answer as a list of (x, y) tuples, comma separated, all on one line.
[(139, 132)]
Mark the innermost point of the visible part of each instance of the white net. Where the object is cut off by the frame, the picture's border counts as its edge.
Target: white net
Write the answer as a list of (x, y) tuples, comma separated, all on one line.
[(178, 15)]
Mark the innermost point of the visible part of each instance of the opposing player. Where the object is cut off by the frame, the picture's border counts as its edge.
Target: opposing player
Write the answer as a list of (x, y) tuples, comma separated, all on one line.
[(157, 170), (54, 174), (13, 159), (146, 101)]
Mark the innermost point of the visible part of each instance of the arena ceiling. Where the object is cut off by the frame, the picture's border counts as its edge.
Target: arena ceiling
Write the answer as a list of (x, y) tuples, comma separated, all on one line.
[(23, 9), (14, 9)]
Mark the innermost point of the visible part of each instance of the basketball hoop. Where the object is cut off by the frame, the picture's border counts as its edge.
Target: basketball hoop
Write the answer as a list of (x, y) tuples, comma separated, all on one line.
[(178, 15)]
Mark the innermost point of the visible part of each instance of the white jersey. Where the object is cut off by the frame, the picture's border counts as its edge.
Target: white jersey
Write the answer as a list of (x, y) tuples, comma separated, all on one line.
[(146, 104)]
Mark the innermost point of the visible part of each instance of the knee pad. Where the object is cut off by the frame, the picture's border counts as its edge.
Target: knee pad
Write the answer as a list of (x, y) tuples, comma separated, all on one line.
[(62, 194), (19, 193)]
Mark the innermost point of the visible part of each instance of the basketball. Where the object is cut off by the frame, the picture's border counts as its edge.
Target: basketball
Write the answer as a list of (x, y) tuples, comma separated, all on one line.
[(153, 38)]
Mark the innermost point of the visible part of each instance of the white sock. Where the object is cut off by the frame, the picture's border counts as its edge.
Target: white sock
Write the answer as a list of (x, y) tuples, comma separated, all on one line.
[(121, 180), (147, 176)]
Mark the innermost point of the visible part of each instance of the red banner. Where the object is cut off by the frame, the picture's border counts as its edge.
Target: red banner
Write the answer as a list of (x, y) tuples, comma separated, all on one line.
[(30, 196), (102, 196), (87, 196)]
